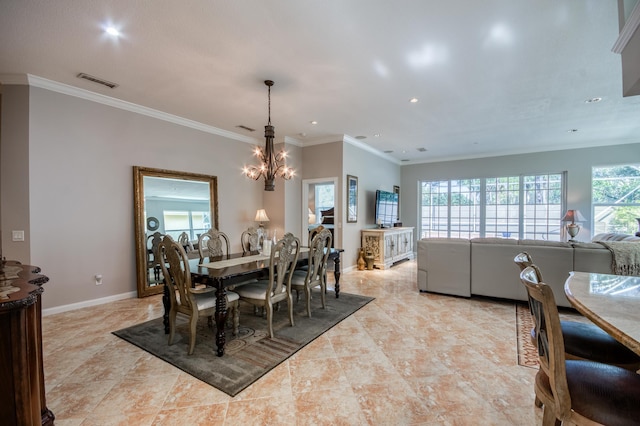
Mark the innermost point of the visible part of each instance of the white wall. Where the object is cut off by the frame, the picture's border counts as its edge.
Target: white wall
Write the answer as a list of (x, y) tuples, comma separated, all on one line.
[(577, 163)]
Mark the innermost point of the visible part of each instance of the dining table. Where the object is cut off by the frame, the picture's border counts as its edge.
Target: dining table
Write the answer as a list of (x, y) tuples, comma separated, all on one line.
[(612, 302), (235, 269)]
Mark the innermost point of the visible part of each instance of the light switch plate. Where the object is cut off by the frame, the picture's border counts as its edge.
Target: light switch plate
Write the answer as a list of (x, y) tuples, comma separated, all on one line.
[(17, 235)]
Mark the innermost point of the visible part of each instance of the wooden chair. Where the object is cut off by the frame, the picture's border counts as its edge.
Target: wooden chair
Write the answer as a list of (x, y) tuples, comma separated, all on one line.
[(314, 231), (213, 243), (186, 299), (153, 259), (266, 293), (576, 391), (251, 240), (185, 242), (586, 341), (315, 275)]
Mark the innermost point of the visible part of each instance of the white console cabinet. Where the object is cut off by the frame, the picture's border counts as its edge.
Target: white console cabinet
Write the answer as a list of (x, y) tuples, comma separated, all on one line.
[(388, 245)]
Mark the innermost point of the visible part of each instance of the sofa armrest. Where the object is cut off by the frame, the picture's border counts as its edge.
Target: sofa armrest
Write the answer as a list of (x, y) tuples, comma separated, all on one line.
[(444, 266)]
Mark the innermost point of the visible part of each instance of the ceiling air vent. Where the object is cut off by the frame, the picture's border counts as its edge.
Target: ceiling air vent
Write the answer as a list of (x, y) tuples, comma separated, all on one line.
[(422, 149), (240, 126), (109, 84)]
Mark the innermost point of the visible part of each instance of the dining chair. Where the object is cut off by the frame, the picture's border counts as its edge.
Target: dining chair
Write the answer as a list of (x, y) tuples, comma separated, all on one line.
[(266, 293), (251, 240), (213, 243), (184, 297), (575, 391), (153, 259), (315, 274), (185, 242), (585, 341)]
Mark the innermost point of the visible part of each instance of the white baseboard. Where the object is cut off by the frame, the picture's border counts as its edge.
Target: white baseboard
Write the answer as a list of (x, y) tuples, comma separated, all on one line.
[(87, 303)]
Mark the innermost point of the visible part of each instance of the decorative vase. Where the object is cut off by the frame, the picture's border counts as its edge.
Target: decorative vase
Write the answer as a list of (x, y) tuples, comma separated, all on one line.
[(361, 260)]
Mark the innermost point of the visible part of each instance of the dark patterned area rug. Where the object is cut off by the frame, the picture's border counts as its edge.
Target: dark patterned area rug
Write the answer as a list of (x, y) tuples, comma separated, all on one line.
[(527, 352), (251, 354)]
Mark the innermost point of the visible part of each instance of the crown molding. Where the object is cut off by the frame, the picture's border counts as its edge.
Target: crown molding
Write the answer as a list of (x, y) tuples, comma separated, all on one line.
[(630, 27), (65, 89), (355, 142)]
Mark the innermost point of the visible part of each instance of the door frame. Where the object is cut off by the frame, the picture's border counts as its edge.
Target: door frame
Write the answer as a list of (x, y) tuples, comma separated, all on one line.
[(336, 207)]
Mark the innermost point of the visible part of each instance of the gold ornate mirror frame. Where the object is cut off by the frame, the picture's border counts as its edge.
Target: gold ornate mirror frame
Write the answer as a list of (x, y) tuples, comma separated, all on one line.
[(145, 226)]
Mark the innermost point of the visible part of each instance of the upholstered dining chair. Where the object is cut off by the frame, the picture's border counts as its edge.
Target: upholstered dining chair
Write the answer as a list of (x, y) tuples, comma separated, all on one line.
[(266, 293), (315, 274), (251, 240), (213, 243), (576, 391), (186, 299), (314, 231), (585, 341)]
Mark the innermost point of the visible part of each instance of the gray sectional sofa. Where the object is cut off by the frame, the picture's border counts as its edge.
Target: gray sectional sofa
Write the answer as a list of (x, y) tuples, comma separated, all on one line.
[(484, 266)]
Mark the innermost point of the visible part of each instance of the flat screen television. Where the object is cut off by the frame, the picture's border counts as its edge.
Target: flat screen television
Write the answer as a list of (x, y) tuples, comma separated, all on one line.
[(386, 208)]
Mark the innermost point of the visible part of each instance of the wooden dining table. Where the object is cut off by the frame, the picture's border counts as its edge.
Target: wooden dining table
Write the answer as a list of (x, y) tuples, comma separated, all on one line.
[(612, 302), (229, 270)]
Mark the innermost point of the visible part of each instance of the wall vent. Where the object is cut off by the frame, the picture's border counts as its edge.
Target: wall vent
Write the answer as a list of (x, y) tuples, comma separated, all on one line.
[(240, 126), (109, 84)]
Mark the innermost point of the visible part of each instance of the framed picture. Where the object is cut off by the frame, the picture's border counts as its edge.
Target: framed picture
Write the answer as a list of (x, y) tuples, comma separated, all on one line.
[(352, 199), (396, 189)]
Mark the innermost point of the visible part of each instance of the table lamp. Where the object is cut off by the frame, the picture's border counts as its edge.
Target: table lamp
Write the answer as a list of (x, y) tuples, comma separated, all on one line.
[(312, 217), (573, 228), (261, 216)]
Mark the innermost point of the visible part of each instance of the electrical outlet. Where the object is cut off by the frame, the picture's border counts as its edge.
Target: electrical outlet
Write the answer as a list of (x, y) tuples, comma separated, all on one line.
[(17, 235), (98, 279)]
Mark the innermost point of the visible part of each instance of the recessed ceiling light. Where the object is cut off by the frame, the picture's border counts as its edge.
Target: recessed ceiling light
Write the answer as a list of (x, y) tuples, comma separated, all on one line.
[(314, 122), (112, 31), (572, 130), (413, 100), (593, 100), (361, 137)]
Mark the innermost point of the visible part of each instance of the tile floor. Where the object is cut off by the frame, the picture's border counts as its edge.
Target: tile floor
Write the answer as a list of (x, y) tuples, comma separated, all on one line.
[(408, 358)]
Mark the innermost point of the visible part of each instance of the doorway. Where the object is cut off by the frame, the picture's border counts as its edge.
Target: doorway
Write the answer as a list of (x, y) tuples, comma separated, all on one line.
[(319, 195)]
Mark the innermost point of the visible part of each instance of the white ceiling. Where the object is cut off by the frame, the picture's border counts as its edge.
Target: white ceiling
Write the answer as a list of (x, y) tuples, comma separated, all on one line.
[(492, 77)]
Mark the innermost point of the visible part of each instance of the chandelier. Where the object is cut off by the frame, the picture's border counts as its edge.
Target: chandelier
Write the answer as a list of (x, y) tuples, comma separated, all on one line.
[(271, 165)]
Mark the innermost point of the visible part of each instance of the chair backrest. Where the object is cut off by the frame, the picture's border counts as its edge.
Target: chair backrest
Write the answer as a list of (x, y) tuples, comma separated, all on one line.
[(549, 338), (284, 256), (177, 274), (185, 242), (153, 241), (523, 260), (213, 243), (318, 255), (251, 239), (313, 232)]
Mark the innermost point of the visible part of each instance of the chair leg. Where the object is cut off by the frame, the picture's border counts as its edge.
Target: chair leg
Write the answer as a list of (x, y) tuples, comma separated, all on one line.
[(269, 309), (307, 293), (193, 322), (323, 291), (172, 325), (236, 318), (290, 306)]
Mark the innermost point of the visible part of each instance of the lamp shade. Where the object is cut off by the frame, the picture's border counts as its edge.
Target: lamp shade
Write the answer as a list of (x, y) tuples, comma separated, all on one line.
[(573, 216), (261, 216)]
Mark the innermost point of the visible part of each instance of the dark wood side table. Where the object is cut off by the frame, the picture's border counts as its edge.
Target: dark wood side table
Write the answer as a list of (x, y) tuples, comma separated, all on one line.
[(22, 392)]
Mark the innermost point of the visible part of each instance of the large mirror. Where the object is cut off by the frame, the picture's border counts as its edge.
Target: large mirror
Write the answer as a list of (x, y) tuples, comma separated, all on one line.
[(173, 203)]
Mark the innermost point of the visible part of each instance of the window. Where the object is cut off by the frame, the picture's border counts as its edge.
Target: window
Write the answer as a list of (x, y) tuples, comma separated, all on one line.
[(615, 198), (508, 207), (193, 223), (324, 196)]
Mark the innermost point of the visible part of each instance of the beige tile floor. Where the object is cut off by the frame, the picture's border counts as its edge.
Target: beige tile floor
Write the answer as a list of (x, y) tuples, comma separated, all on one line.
[(408, 358)]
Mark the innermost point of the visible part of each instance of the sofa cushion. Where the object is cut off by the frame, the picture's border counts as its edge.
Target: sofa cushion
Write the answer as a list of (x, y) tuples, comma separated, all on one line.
[(612, 236), (494, 240), (544, 243)]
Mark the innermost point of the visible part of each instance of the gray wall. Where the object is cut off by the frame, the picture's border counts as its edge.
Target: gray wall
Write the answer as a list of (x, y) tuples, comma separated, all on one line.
[(577, 163), (74, 194)]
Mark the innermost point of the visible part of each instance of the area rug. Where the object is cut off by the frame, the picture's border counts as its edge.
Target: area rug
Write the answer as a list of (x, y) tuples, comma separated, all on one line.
[(527, 352), (251, 354)]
